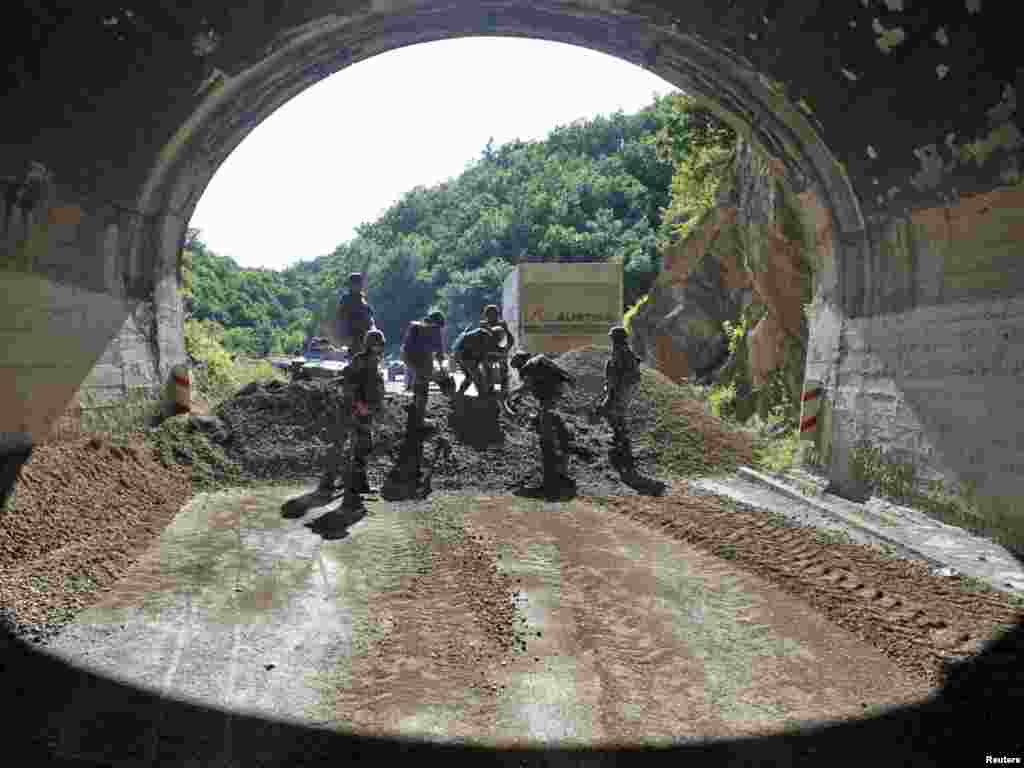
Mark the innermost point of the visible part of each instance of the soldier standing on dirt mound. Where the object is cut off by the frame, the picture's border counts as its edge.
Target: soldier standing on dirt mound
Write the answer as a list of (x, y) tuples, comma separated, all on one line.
[(354, 316), (362, 398), (504, 342), (470, 352), (621, 378), (545, 380), (422, 345)]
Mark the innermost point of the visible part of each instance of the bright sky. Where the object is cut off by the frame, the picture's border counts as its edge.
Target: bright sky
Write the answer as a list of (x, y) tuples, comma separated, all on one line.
[(340, 153)]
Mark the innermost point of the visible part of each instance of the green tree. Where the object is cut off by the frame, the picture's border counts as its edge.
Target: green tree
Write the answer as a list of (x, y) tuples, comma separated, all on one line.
[(611, 187)]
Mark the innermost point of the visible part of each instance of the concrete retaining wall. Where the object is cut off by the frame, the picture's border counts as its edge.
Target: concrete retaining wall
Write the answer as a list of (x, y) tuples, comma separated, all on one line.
[(928, 363), (88, 316)]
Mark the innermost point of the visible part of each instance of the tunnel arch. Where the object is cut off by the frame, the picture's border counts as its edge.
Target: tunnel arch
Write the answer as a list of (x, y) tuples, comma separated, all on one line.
[(890, 115), (298, 58), (291, 50)]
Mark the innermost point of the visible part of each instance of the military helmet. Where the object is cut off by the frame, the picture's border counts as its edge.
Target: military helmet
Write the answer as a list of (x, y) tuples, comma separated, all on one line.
[(618, 333), (436, 318), (355, 277), (519, 359), (374, 338), (491, 309)]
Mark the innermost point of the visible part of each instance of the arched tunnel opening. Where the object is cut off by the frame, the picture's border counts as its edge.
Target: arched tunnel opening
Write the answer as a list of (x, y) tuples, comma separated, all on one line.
[(894, 126)]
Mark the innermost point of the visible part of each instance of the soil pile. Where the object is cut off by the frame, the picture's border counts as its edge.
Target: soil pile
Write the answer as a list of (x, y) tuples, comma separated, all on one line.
[(82, 513), (280, 431), (284, 431), (666, 420)]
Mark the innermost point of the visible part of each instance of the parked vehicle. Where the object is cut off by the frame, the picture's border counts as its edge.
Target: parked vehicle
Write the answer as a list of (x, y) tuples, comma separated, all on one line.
[(320, 360)]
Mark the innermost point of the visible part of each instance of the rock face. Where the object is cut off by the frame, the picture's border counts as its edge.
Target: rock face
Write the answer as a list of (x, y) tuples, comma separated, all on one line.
[(748, 253), (680, 328)]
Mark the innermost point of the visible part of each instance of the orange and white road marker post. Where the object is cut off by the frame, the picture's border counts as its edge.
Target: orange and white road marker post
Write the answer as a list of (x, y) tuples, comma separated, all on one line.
[(810, 404), (182, 388)]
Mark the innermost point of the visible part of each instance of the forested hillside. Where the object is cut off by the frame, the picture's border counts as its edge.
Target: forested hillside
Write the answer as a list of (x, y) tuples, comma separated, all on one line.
[(591, 191)]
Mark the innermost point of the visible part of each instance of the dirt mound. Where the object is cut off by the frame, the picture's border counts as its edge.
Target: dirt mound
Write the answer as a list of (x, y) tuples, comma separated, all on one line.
[(82, 513), (667, 420), (282, 431)]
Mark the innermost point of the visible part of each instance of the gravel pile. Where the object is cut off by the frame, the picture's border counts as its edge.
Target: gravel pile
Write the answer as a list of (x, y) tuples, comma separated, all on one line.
[(82, 513)]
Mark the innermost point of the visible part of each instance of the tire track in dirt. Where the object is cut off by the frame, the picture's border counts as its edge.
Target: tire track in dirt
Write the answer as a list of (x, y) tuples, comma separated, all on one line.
[(921, 621), (438, 632)]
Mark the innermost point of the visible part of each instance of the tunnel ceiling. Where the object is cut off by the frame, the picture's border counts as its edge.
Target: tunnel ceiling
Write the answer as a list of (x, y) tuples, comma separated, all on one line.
[(915, 100)]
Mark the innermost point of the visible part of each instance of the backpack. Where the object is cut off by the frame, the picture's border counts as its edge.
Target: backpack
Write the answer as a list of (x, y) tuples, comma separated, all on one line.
[(420, 342), (474, 344), (353, 318)]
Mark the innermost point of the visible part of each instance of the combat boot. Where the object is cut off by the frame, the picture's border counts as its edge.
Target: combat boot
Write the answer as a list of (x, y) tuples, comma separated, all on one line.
[(351, 501), (362, 484), (327, 484)]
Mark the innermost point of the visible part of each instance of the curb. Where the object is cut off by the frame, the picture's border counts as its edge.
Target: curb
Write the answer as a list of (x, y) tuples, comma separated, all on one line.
[(784, 490)]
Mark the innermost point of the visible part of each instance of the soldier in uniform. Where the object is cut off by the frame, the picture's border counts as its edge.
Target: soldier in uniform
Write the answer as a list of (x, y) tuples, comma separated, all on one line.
[(362, 398), (422, 346), (470, 352), (504, 342), (545, 380), (354, 316), (621, 377)]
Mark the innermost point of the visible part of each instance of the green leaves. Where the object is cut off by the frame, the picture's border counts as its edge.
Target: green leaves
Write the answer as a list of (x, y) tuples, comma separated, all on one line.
[(592, 191)]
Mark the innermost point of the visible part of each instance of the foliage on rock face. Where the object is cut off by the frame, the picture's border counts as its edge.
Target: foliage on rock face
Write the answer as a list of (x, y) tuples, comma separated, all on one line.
[(708, 162), (627, 319), (594, 190), (702, 150)]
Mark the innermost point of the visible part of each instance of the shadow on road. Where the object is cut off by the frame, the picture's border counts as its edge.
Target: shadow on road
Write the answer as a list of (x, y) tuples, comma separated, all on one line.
[(57, 714), (300, 505), (335, 524)]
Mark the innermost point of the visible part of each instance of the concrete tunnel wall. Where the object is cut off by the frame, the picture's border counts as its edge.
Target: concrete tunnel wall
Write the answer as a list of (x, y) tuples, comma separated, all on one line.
[(895, 123)]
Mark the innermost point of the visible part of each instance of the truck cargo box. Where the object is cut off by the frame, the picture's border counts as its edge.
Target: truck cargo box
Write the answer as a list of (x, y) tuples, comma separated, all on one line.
[(554, 307)]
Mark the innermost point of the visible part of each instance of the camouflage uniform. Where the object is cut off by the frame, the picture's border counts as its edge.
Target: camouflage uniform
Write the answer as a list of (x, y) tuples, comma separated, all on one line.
[(360, 382), (622, 376), (354, 302), (419, 356), (546, 380), (503, 344), (470, 354)]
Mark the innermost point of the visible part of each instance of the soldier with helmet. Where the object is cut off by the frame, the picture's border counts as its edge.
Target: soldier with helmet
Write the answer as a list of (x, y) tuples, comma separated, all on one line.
[(354, 316), (545, 380), (470, 352), (621, 378), (503, 341), (362, 397), (422, 346)]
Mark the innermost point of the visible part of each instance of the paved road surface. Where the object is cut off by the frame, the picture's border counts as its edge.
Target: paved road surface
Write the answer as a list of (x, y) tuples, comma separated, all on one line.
[(502, 621)]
